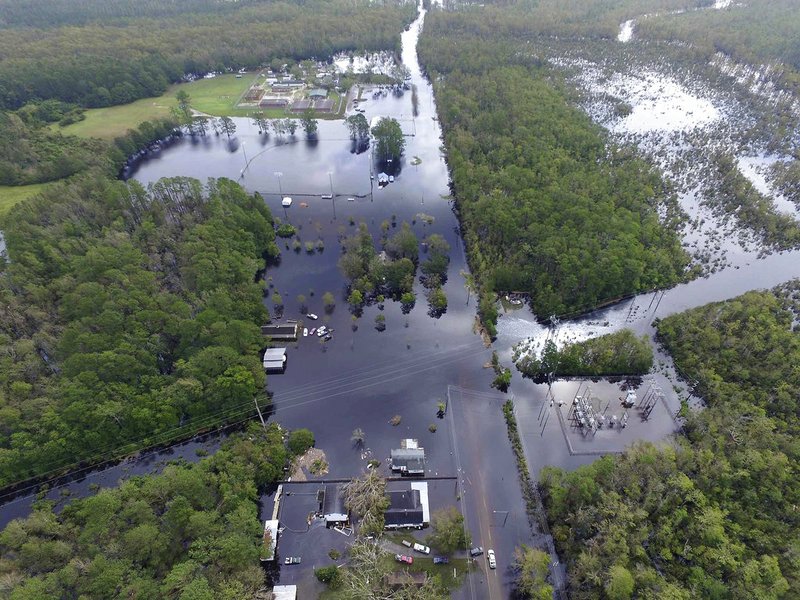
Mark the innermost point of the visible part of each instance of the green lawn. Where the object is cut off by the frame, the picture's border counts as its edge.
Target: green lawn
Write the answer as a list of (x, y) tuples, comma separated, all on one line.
[(218, 97), (113, 121), (11, 195)]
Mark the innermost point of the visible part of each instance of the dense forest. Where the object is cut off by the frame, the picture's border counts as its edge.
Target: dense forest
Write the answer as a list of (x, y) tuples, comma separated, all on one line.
[(102, 63), (619, 353), (30, 152), (129, 317), (755, 32), (548, 205), (714, 516), (191, 532)]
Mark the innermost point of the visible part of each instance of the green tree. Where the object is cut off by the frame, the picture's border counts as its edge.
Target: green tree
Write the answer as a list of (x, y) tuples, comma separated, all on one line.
[(356, 299), (328, 301), (227, 126), (309, 123), (620, 584), (389, 140), (300, 440), (358, 127), (448, 531), (532, 567)]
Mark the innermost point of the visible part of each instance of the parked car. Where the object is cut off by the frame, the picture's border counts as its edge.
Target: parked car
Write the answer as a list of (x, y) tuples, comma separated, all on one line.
[(312, 316), (476, 551), (409, 560), (292, 560), (440, 560), (492, 561), (422, 548)]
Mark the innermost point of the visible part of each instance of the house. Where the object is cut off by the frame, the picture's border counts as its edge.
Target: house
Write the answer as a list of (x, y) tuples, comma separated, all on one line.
[(396, 580), (408, 506), (275, 359), (409, 459), (333, 509)]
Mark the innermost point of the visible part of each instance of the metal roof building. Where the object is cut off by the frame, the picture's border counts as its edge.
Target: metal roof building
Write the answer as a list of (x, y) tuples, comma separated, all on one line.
[(333, 508), (275, 359), (408, 461), (285, 592)]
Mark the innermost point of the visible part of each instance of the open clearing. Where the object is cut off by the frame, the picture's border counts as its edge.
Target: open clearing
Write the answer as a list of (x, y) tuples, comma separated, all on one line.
[(11, 195), (217, 96)]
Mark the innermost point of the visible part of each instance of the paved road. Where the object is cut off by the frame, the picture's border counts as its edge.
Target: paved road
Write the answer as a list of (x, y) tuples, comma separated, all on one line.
[(491, 498)]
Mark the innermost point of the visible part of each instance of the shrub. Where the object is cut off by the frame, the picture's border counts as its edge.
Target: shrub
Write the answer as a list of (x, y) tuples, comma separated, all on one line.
[(300, 440), (285, 230), (329, 575)]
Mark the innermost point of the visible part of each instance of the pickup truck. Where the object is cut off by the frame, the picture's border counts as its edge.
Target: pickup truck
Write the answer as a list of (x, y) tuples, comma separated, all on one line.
[(422, 549)]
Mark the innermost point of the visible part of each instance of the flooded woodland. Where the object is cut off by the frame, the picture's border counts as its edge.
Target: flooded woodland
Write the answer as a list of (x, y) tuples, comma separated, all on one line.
[(387, 366)]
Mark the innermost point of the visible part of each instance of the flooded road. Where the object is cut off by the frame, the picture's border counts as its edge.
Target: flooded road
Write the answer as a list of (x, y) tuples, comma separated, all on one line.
[(364, 377)]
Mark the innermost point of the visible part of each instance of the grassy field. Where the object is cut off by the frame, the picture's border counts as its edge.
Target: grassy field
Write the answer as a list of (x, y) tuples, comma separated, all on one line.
[(114, 121), (217, 97), (11, 195)]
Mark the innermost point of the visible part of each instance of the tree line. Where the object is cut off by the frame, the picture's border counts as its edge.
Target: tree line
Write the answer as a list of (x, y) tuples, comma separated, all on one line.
[(713, 516), (191, 532), (130, 316), (549, 206), (102, 63), (619, 353)]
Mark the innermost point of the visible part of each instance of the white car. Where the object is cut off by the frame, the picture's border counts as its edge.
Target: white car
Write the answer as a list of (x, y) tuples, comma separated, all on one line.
[(492, 561), (422, 549), (312, 316)]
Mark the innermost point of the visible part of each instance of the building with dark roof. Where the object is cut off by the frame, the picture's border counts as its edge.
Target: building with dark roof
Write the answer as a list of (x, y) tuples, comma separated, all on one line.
[(408, 506)]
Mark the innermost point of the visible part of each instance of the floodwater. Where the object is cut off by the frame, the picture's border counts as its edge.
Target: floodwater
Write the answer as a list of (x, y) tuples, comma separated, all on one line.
[(364, 377)]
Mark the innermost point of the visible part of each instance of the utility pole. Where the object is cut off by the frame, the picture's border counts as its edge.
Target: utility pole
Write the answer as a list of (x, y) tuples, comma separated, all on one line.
[(260, 416)]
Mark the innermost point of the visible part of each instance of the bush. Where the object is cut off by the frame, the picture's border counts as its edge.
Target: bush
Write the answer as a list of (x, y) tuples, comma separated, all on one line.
[(329, 575), (285, 230), (300, 440)]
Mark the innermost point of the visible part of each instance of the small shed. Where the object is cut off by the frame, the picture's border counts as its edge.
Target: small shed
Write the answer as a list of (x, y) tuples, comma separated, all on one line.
[(284, 592), (408, 461), (275, 359)]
